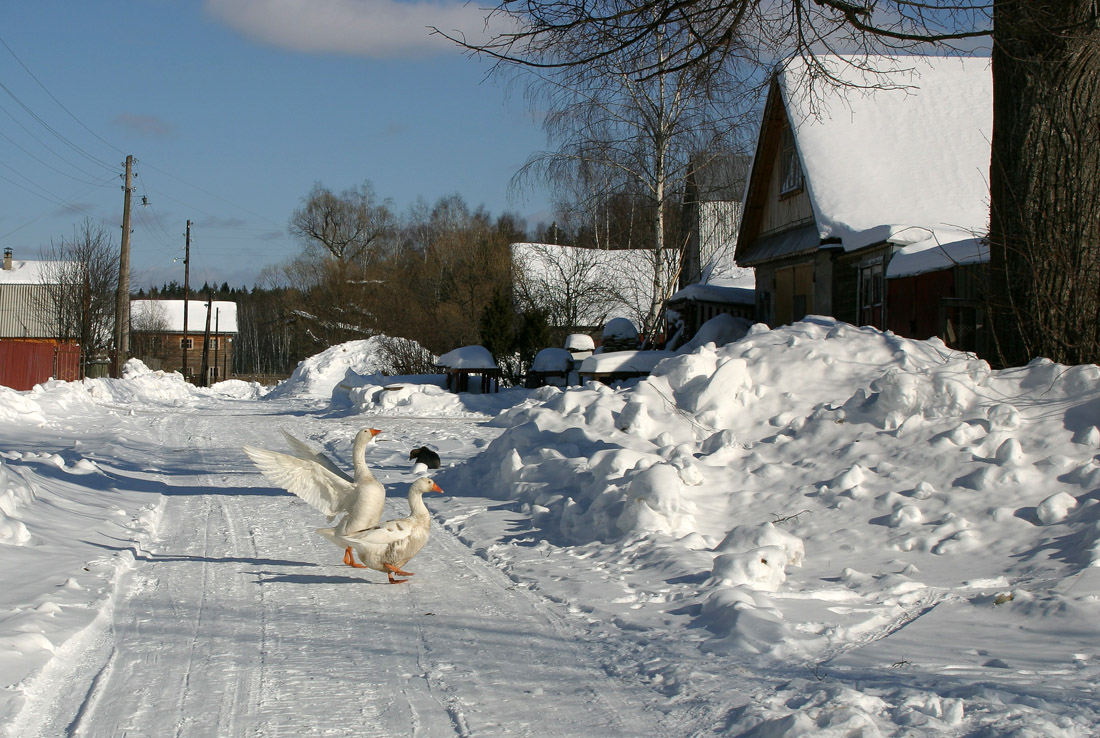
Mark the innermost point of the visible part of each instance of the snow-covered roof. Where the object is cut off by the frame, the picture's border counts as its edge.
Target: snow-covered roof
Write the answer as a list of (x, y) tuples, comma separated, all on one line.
[(717, 292), (34, 272), (879, 162), (468, 357), (608, 283), (931, 256), (167, 315), (580, 342)]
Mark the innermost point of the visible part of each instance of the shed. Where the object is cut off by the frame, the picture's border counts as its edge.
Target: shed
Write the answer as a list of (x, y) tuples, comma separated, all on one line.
[(462, 363)]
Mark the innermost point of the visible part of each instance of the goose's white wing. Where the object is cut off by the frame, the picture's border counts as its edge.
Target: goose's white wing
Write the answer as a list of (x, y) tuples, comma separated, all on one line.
[(305, 478), (389, 532), (303, 451)]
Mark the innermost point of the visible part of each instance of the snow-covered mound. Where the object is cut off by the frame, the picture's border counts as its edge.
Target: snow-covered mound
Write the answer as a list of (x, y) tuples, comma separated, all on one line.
[(317, 376), (824, 482), (421, 395)]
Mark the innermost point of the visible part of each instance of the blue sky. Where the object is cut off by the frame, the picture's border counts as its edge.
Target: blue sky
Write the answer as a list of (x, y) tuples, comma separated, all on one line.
[(233, 109)]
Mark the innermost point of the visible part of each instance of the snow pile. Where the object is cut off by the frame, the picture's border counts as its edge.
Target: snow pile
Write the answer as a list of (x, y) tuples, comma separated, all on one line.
[(316, 376), (822, 482), (417, 396), (62, 519)]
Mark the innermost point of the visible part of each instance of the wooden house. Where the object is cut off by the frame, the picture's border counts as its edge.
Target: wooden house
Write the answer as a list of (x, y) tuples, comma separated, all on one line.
[(158, 336), (845, 179)]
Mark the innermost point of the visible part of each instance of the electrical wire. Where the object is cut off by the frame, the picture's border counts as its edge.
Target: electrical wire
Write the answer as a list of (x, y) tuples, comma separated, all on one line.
[(59, 103)]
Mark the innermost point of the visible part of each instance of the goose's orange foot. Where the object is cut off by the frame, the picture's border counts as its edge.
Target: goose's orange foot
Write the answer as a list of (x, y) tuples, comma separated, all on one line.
[(348, 558), (396, 581), (395, 570)]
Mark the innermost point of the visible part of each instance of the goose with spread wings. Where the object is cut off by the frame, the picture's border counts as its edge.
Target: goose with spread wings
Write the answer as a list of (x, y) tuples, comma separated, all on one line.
[(317, 480)]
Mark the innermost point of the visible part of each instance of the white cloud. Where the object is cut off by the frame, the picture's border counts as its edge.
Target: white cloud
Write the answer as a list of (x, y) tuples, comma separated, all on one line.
[(372, 28)]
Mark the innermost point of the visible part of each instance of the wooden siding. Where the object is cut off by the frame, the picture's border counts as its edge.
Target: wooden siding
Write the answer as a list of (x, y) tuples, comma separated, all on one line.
[(782, 212), (913, 303), (166, 349)]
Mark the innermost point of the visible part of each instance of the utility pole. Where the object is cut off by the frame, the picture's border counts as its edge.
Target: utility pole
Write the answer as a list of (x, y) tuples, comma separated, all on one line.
[(206, 340), (122, 303), (186, 297)]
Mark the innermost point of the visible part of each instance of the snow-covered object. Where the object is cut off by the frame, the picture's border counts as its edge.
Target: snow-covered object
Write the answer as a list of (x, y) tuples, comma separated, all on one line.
[(618, 329), (719, 330), (552, 360), (763, 568), (468, 357), (1056, 508), (577, 342), (751, 537), (623, 361)]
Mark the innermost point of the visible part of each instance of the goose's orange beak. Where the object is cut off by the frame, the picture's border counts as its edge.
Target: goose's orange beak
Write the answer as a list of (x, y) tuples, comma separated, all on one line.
[(436, 487), (374, 432)]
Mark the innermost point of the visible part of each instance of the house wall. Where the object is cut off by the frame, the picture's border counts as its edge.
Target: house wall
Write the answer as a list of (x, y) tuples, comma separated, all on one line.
[(846, 284), (166, 349), (912, 300), (24, 311)]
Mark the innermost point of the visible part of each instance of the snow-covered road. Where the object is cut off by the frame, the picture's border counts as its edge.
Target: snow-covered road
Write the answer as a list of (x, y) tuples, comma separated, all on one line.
[(239, 621)]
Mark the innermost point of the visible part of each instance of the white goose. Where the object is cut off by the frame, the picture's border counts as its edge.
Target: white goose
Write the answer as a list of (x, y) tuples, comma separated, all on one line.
[(389, 546), (314, 478)]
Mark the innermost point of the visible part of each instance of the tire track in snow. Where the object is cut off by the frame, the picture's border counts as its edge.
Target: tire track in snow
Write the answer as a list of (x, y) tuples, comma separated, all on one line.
[(242, 622)]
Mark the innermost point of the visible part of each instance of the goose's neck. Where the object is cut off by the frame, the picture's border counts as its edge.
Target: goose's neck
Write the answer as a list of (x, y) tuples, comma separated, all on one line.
[(417, 506), (359, 457)]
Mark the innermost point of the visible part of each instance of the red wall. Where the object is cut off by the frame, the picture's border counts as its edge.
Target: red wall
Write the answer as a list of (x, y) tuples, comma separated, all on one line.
[(23, 364), (913, 303)]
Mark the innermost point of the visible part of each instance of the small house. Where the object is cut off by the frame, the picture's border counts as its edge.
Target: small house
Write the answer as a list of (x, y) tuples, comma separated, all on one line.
[(846, 179), (161, 338)]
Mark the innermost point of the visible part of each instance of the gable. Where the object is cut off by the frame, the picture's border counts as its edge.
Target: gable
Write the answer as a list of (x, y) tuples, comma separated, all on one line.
[(776, 203)]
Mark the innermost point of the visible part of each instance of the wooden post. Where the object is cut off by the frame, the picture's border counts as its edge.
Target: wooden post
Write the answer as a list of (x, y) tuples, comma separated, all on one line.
[(185, 369), (122, 301)]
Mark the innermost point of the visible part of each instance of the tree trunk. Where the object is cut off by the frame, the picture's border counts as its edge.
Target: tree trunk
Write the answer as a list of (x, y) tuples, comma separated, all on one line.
[(1045, 183)]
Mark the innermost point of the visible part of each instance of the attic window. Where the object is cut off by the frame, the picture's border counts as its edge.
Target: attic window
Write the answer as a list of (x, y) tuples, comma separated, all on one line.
[(790, 169)]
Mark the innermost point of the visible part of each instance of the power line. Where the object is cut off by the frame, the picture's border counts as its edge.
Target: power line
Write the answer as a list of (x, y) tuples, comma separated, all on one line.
[(59, 103), (52, 130)]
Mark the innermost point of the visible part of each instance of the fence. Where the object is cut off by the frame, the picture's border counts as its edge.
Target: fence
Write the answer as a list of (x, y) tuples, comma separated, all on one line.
[(23, 364)]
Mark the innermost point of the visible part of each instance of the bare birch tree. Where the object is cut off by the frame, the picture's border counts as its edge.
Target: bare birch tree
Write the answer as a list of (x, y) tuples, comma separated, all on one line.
[(85, 270)]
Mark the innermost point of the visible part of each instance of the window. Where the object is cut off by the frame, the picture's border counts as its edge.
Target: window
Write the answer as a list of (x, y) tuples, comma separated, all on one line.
[(872, 292), (187, 343), (212, 343), (790, 169)]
